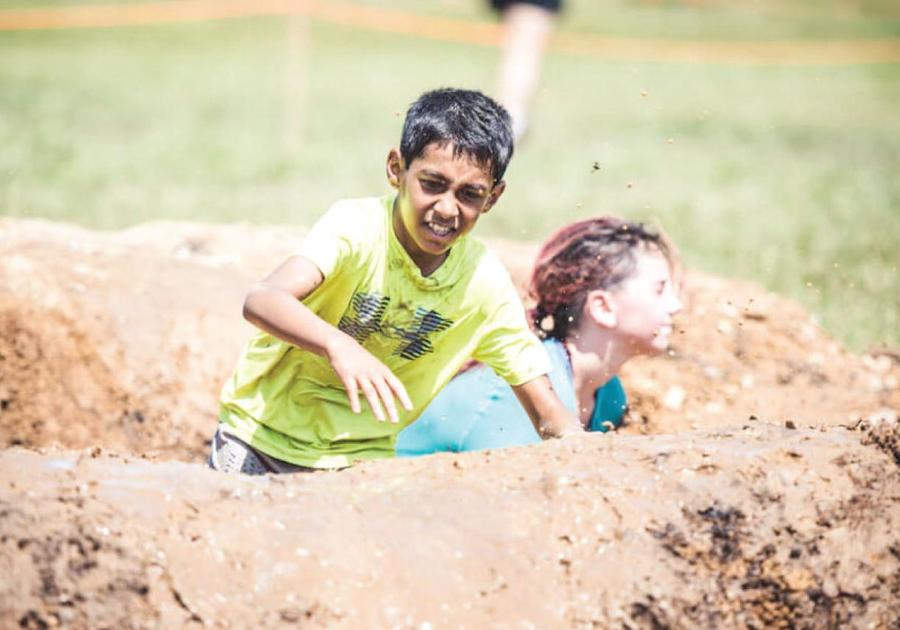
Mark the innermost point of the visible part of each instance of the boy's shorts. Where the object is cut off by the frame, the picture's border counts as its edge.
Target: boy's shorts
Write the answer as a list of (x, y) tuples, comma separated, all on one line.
[(551, 5), (230, 454)]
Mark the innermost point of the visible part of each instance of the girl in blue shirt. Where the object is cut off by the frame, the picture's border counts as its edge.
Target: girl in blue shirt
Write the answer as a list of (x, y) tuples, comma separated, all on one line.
[(604, 293)]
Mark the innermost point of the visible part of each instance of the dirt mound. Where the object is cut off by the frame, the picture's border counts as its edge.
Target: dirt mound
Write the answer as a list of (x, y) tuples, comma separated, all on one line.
[(123, 339), (745, 526), (108, 341), (743, 353), (117, 343)]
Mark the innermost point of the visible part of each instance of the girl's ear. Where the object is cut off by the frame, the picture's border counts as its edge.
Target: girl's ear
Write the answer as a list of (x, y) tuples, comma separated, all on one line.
[(600, 308), (394, 168)]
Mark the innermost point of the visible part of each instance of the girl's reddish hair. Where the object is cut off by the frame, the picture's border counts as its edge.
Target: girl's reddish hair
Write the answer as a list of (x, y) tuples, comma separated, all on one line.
[(596, 253)]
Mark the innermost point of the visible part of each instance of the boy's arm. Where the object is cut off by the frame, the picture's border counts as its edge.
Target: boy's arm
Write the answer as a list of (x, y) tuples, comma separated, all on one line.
[(550, 417), (274, 306)]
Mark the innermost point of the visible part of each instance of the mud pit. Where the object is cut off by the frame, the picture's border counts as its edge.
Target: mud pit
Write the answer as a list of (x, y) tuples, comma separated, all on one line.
[(758, 498)]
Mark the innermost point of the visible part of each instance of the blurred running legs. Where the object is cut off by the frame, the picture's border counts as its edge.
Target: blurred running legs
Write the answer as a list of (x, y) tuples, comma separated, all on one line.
[(527, 27)]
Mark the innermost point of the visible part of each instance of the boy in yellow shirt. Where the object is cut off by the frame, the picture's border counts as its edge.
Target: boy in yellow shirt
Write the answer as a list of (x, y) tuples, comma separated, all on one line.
[(386, 298)]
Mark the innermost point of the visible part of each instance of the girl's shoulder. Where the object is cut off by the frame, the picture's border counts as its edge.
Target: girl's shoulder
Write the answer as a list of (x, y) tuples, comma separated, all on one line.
[(610, 404)]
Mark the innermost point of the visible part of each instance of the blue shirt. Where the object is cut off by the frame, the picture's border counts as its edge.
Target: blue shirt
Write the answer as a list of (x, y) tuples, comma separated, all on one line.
[(478, 410)]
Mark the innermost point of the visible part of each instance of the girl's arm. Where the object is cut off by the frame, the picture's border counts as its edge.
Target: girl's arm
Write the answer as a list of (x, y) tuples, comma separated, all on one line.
[(550, 417)]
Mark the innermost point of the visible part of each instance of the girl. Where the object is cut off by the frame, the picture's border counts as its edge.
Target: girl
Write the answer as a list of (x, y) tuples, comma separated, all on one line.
[(604, 294)]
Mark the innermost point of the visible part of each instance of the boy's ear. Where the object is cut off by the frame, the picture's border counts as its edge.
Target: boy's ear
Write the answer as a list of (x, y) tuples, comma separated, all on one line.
[(600, 308), (496, 191), (394, 168)]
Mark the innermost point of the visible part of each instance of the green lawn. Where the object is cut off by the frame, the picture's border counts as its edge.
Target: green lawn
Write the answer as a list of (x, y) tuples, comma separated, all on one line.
[(787, 175)]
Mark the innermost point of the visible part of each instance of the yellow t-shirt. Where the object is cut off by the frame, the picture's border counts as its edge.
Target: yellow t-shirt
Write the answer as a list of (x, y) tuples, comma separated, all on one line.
[(290, 404)]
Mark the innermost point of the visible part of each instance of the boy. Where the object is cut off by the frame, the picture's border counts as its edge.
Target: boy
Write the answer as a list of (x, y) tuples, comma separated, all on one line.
[(386, 298)]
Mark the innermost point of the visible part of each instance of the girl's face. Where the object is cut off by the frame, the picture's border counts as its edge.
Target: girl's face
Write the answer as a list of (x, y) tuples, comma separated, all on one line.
[(645, 303)]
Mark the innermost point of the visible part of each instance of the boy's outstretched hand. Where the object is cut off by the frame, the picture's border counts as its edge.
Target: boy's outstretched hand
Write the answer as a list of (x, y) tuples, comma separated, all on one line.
[(274, 306), (550, 417), (360, 371)]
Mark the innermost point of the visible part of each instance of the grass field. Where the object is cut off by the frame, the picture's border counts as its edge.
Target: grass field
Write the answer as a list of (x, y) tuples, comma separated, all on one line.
[(783, 174)]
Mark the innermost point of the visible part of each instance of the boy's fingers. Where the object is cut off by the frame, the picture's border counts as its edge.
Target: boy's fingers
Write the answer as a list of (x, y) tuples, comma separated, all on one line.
[(372, 397), (398, 388), (387, 398), (352, 394)]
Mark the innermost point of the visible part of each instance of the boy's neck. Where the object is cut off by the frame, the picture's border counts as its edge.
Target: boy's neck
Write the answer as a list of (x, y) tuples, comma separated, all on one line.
[(429, 267)]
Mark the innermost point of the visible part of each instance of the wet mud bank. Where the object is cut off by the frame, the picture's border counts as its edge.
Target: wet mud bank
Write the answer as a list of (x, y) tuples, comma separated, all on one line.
[(755, 484), (751, 525)]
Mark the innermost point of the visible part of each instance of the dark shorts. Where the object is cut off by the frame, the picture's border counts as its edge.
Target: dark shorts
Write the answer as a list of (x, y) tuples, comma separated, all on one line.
[(550, 5), (230, 454)]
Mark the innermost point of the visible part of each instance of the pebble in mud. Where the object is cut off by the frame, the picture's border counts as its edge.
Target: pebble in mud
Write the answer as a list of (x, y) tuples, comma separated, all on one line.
[(674, 398)]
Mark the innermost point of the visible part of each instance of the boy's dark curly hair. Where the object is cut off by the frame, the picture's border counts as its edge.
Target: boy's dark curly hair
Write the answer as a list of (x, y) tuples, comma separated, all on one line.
[(592, 254), (475, 124)]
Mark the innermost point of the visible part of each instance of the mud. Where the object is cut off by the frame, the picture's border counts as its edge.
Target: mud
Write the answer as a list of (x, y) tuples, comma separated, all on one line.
[(746, 526), (756, 484)]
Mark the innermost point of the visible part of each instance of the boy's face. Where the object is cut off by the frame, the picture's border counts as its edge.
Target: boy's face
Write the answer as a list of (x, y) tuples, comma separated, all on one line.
[(439, 198)]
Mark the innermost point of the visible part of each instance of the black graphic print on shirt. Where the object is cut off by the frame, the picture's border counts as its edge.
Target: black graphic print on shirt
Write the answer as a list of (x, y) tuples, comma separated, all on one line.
[(367, 316)]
